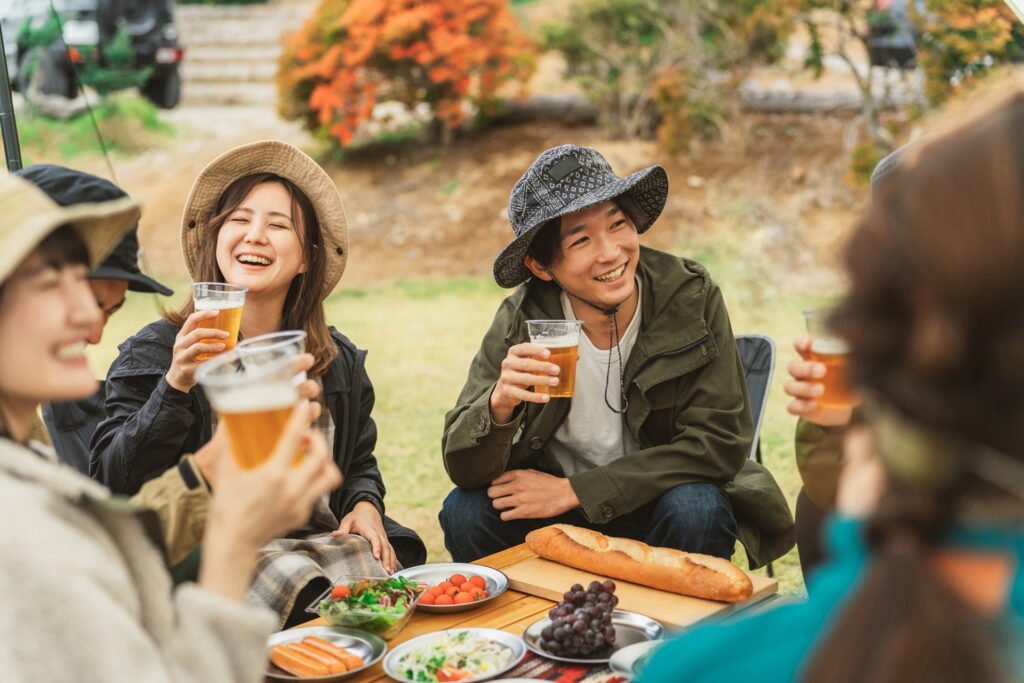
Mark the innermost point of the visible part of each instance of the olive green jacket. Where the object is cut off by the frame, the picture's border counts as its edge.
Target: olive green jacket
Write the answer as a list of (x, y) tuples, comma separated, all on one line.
[(688, 409), (819, 455)]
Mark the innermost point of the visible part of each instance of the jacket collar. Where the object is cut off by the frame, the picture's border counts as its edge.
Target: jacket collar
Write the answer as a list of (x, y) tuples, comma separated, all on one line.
[(336, 378), (672, 305)]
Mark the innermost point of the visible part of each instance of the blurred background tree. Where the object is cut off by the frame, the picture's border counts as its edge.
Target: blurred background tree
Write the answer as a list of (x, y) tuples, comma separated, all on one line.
[(452, 55), (667, 67)]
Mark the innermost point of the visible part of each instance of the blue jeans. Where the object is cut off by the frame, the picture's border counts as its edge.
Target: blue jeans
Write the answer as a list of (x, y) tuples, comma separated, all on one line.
[(693, 517)]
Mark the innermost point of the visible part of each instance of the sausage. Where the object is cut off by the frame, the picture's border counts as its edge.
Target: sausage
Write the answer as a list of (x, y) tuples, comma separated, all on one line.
[(332, 661), (296, 663), (352, 661)]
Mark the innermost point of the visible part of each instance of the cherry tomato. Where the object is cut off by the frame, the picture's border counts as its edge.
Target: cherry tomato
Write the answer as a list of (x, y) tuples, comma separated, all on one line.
[(457, 579), (340, 592), (444, 600), (428, 598), (463, 598), (478, 581)]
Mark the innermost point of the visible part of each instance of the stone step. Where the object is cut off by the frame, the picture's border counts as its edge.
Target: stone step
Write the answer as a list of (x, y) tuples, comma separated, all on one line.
[(259, 54), (206, 72), (229, 93)]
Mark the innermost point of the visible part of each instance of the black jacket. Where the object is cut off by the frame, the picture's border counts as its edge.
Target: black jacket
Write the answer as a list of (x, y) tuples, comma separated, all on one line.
[(71, 425), (150, 425)]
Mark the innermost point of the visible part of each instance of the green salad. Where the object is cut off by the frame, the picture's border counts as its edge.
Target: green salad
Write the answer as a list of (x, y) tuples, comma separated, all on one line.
[(380, 606)]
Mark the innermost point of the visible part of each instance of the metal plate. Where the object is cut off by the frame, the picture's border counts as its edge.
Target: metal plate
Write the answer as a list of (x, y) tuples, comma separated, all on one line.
[(365, 645), (629, 627), (433, 574), (512, 642), (628, 660)]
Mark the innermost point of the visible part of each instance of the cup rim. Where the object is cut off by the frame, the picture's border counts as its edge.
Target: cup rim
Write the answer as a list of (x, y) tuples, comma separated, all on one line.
[(287, 337), (205, 370), (223, 286)]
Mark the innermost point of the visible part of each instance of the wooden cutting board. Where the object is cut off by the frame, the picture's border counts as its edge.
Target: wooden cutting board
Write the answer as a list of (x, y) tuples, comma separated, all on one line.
[(546, 579)]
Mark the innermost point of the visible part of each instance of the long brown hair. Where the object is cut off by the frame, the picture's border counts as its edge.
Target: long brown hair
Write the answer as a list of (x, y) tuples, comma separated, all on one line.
[(303, 307), (935, 322)]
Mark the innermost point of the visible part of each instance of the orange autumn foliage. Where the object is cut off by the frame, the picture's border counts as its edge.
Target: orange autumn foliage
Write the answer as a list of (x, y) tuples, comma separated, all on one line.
[(447, 53)]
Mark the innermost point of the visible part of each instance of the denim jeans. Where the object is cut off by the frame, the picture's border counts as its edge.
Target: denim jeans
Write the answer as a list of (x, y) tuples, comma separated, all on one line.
[(693, 517)]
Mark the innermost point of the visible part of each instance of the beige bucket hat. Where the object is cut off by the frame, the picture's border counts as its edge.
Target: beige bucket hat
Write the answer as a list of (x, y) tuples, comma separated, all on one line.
[(30, 216), (280, 159)]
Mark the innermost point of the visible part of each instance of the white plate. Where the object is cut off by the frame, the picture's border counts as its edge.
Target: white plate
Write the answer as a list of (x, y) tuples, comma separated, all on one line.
[(624, 661), (433, 574), (366, 645), (630, 628), (512, 642)]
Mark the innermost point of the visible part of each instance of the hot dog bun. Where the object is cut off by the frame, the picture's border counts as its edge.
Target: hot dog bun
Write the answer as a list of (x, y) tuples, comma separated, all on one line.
[(701, 576)]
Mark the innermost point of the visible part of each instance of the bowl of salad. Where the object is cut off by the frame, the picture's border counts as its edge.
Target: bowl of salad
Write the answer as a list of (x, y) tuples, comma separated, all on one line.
[(460, 654), (378, 605)]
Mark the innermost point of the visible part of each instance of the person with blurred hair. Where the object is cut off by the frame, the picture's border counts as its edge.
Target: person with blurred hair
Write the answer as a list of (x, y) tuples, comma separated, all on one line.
[(87, 594), (925, 580)]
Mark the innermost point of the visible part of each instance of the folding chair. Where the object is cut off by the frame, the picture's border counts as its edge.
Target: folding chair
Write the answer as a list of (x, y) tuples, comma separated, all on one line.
[(757, 356)]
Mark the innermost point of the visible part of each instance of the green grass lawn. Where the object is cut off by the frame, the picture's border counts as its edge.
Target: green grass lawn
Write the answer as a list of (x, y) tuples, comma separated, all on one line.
[(422, 335)]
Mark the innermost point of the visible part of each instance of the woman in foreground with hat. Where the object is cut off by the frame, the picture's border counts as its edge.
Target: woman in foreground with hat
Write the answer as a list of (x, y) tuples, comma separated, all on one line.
[(264, 216), (87, 595), (654, 442), (925, 576)]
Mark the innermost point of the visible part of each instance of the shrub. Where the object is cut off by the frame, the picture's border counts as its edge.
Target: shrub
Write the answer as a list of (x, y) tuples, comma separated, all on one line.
[(666, 65), (449, 54)]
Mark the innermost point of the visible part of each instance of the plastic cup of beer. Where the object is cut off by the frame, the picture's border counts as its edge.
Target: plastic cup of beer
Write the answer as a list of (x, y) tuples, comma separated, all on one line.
[(562, 339), (833, 353), (227, 300), (250, 350), (254, 400)]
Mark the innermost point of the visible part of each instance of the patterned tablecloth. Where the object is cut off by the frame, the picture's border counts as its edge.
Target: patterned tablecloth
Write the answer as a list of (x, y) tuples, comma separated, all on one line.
[(543, 669)]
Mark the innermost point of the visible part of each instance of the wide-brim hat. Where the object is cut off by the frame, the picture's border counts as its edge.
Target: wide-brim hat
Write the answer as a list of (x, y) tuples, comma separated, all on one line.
[(564, 180), (30, 216), (283, 160)]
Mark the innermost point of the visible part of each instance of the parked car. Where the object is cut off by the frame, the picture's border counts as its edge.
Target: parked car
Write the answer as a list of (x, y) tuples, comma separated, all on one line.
[(892, 34), (87, 26)]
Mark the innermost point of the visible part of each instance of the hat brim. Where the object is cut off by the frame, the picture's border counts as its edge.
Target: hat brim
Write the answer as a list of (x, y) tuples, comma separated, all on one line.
[(280, 159), (137, 282), (100, 225), (649, 186)]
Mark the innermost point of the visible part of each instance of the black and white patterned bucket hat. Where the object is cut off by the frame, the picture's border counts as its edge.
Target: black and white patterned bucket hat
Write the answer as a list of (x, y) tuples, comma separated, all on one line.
[(566, 179)]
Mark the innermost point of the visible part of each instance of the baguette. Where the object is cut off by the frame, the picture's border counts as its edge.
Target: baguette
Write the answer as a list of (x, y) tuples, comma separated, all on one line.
[(701, 576)]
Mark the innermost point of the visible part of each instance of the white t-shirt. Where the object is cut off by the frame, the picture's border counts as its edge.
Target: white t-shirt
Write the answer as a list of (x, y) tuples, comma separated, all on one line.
[(592, 435)]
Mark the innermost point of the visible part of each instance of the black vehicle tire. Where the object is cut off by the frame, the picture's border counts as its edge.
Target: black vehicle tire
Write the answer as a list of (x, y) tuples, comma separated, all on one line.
[(164, 88), (44, 70)]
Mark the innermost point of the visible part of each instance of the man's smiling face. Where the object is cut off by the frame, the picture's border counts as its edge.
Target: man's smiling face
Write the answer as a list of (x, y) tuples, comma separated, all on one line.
[(598, 249)]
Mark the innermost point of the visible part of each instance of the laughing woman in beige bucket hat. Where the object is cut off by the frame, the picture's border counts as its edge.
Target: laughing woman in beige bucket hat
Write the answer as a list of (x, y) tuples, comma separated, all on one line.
[(87, 596), (267, 217)]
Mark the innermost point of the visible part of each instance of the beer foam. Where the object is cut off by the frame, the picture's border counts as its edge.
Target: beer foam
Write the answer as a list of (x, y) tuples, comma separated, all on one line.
[(829, 346), (251, 399), (557, 342), (215, 305)]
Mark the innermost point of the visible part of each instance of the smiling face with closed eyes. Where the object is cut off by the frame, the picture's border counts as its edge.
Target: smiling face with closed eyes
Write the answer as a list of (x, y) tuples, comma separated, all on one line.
[(259, 244)]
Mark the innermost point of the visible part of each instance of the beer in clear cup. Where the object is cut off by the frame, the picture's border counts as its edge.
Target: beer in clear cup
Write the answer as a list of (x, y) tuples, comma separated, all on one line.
[(562, 339), (253, 401), (833, 353), (228, 301)]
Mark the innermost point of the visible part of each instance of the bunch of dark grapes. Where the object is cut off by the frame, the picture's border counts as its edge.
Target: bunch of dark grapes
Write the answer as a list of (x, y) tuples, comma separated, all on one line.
[(581, 625)]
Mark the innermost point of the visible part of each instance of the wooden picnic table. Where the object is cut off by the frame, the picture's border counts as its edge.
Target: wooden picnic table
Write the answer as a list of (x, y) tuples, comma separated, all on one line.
[(511, 611), (514, 611)]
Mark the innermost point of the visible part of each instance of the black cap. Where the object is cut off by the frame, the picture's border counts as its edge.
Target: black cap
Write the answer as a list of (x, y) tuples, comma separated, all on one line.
[(67, 187)]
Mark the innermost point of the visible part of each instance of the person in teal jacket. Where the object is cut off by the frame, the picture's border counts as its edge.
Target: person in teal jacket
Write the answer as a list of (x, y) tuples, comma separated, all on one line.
[(926, 576)]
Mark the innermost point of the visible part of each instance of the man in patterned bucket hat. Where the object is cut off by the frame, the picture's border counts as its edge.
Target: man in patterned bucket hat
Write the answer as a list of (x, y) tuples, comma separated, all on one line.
[(654, 442)]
